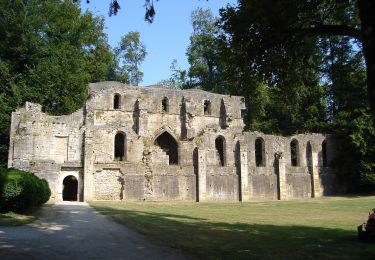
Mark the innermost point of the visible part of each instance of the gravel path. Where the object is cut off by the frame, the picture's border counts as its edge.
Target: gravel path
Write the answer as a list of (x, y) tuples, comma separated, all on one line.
[(72, 230)]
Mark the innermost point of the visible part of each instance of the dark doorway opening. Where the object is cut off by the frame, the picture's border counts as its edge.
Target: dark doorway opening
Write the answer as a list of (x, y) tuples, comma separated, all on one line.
[(70, 188), (169, 145)]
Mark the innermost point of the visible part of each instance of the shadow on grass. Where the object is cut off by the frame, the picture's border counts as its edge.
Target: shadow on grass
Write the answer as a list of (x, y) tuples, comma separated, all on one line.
[(12, 219), (218, 240)]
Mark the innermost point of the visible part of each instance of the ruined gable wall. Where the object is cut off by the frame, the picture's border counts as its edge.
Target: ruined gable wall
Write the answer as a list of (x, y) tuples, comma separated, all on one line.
[(45, 144)]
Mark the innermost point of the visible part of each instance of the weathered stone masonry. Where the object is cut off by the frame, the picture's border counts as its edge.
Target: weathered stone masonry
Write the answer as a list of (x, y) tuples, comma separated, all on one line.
[(131, 143)]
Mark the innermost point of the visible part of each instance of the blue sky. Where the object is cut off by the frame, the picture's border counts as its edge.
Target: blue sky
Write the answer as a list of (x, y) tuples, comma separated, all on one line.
[(167, 38)]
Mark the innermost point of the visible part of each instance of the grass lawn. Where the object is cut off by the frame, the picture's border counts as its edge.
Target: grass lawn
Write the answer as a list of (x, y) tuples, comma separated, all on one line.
[(312, 228)]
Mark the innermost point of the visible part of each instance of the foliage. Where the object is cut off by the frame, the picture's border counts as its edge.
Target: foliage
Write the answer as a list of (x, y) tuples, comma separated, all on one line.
[(319, 228), (49, 51), (22, 190), (178, 79), (130, 54), (203, 52), (313, 70)]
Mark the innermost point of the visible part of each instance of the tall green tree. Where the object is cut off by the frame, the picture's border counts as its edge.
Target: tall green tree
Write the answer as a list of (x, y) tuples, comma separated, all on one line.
[(131, 52), (304, 51), (203, 51), (257, 55), (345, 75), (49, 51), (291, 23)]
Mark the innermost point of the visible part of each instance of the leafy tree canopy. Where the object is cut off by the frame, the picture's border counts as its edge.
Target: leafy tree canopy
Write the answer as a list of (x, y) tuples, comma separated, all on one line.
[(130, 54), (49, 51)]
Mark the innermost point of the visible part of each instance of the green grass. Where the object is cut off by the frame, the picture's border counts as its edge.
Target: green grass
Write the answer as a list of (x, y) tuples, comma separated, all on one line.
[(312, 228), (18, 219), (11, 219)]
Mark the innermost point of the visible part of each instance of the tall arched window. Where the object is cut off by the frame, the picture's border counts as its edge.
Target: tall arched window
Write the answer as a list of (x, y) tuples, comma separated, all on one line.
[(207, 107), (223, 115), (259, 152), (169, 145), (120, 146), (220, 149), (324, 153), (165, 105), (308, 155), (294, 153), (116, 101)]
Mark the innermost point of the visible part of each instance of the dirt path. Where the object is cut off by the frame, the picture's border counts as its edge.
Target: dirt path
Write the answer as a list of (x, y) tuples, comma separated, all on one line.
[(77, 231)]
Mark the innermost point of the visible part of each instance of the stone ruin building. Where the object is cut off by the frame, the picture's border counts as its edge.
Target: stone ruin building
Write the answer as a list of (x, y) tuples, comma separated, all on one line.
[(149, 143)]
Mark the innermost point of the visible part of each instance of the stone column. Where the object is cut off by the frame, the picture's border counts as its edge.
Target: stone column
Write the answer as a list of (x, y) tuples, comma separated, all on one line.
[(88, 168), (280, 164), (202, 190), (245, 194), (315, 180)]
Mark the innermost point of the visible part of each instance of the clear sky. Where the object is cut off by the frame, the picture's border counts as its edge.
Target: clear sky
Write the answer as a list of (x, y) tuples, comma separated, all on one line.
[(167, 38)]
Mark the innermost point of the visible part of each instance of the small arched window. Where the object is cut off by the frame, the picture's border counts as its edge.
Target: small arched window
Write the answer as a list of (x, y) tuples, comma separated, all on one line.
[(120, 147), (207, 108), (294, 153), (165, 105), (259, 152), (117, 101), (220, 150), (324, 153)]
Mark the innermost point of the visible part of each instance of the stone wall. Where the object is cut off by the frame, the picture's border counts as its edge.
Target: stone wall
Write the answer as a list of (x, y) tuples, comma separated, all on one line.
[(133, 143)]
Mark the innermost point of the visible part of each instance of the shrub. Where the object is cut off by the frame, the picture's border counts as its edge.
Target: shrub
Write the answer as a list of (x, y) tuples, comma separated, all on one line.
[(21, 190)]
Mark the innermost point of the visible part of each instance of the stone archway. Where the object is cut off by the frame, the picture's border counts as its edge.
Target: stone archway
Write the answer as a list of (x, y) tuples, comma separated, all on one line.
[(70, 188), (169, 145)]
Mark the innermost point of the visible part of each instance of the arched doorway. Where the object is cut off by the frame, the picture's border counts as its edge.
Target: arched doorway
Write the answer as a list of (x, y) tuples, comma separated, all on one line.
[(169, 145), (70, 188)]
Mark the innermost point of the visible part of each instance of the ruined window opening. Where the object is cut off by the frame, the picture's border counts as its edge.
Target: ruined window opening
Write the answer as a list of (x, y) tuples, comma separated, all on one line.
[(223, 115), (120, 146), (259, 152), (324, 153), (294, 152), (237, 157), (165, 105), (116, 101), (243, 113), (169, 145), (70, 188), (308, 155), (207, 108), (220, 148)]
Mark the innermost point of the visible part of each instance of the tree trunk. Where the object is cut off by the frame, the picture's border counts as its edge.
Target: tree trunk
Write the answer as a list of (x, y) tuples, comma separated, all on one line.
[(366, 14)]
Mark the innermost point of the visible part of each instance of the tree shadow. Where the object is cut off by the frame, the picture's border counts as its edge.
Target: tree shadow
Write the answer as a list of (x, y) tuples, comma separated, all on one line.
[(220, 240)]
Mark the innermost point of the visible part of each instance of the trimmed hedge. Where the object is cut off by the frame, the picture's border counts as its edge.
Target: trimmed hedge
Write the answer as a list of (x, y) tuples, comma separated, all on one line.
[(20, 190)]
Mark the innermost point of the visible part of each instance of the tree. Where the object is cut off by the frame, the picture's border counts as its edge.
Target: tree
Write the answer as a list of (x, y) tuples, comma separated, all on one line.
[(178, 79), (114, 7), (49, 52), (203, 52), (306, 53), (131, 52), (281, 25)]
